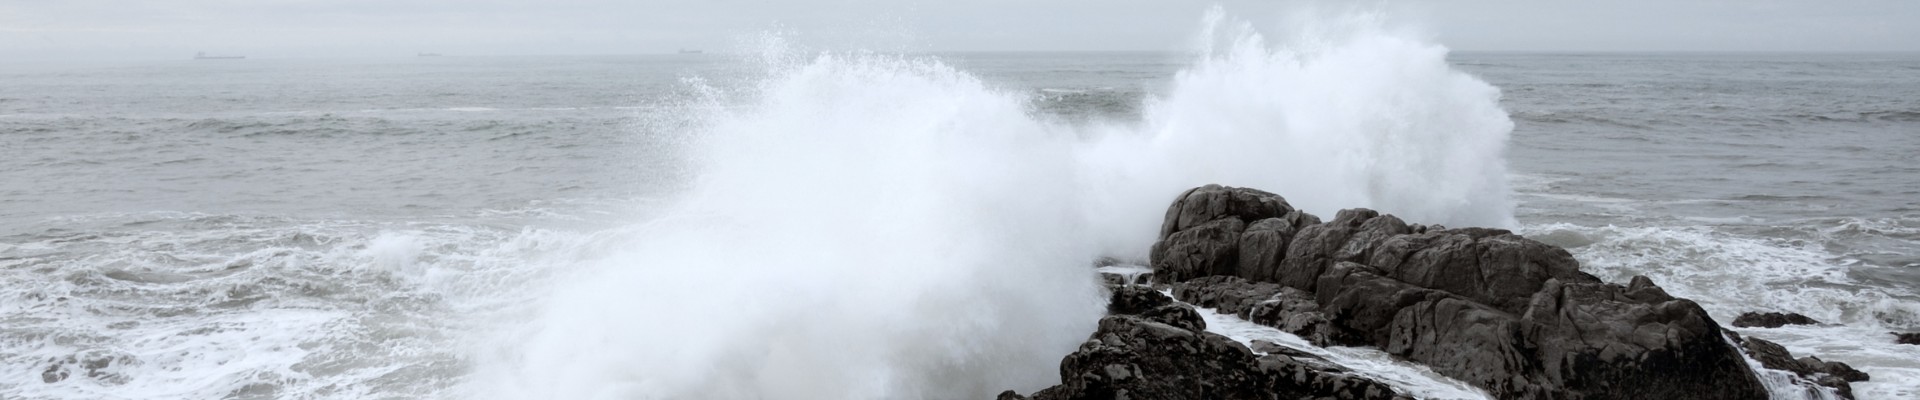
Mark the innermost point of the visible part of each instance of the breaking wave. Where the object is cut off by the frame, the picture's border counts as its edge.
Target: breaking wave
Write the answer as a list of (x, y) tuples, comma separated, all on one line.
[(884, 226)]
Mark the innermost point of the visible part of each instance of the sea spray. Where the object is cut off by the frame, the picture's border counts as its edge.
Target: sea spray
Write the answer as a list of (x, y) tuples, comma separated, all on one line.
[(1347, 114), (879, 226), (870, 227)]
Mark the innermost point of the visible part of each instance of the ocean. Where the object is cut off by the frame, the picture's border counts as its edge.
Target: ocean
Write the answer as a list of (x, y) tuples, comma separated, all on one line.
[(803, 224)]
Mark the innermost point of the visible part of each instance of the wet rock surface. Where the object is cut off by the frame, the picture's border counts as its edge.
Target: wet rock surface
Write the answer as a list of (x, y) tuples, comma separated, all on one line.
[(1906, 338), (1771, 320), (1151, 347), (1836, 375), (1510, 315)]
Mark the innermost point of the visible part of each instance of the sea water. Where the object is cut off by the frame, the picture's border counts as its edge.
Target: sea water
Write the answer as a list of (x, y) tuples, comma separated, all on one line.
[(795, 223)]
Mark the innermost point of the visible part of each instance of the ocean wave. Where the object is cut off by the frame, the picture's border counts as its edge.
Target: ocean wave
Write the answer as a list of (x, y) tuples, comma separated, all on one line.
[(211, 306), (852, 196), (1729, 273)]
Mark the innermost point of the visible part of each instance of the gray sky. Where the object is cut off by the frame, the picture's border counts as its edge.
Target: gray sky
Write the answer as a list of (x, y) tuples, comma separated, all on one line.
[(47, 29)]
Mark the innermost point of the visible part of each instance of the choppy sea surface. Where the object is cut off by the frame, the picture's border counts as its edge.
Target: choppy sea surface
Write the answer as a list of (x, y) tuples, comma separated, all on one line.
[(389, 228)]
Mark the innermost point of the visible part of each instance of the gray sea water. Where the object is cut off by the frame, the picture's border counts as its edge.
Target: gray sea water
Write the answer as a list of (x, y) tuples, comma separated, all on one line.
[(341, 228)]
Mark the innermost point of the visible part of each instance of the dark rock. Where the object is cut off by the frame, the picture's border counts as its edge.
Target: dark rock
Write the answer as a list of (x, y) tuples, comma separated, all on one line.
[(1288, 309), (1130, 357), (1262, 246), (1154, 306), (1134, 300), (1575, 339), (1834, 368), (1177, 315), (1511, 315), (1226, 294), (1203, 250), (1315, 247), (1211, 202), (1611, 341), (1906, 338), (1836, 375), (1771, 320), (1490, 266)]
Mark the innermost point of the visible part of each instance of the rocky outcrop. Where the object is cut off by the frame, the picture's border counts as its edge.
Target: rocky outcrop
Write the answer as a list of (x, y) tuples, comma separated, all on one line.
[(1148, 348), (1205, 226), (1771, 320), (1513, 316), (1290, 310), (1836, 375), (1906, 338)]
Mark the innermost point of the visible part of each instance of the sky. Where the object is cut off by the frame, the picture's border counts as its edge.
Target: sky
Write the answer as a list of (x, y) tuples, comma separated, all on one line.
[(53, 29)]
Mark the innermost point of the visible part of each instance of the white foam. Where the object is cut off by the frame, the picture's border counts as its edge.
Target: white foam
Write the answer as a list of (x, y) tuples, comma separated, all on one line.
[(1410, 378), (394, 253), (1729, 274)]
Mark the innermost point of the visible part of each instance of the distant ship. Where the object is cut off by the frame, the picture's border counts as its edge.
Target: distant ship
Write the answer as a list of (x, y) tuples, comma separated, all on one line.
[(203, 56), (689, 51), (429, 54)]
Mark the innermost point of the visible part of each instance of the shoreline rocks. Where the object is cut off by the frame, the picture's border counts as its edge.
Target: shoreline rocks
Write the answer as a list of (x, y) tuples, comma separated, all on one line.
[(1771, 320), (1510, 315), (1906, 338), (1835, 375), (1150, 347)]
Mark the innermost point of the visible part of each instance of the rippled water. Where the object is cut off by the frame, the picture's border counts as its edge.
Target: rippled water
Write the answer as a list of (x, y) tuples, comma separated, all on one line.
[(353, 228)]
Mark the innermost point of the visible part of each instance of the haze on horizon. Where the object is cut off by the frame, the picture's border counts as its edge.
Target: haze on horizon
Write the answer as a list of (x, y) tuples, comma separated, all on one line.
[(108, 29)]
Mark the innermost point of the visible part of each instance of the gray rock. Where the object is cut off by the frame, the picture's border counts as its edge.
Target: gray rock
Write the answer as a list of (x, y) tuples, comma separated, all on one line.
[(1510, 315), (1906, 338), (1610, 341), (1133, 300), (1130, 357), (1205, 249), (1261, 248), (1771, 320), (1490, 266), (1318, 246), (1288, 309), (1207, 203), (1836, 375)]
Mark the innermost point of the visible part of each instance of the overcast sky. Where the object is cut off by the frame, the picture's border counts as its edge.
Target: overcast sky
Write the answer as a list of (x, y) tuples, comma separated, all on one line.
[(41, 29)]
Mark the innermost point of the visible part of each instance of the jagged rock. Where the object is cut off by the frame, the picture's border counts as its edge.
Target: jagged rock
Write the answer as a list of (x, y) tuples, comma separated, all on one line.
[(1226, 294), (1133, 357), (1906, 338), (1510, 315), (1291, 367), (1154, 306), (1134, 300), (1771, 320), (1288, 309), (1836, 375)]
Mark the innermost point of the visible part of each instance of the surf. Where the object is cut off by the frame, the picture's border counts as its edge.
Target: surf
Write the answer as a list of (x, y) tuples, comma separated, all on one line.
[(864, 225)]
